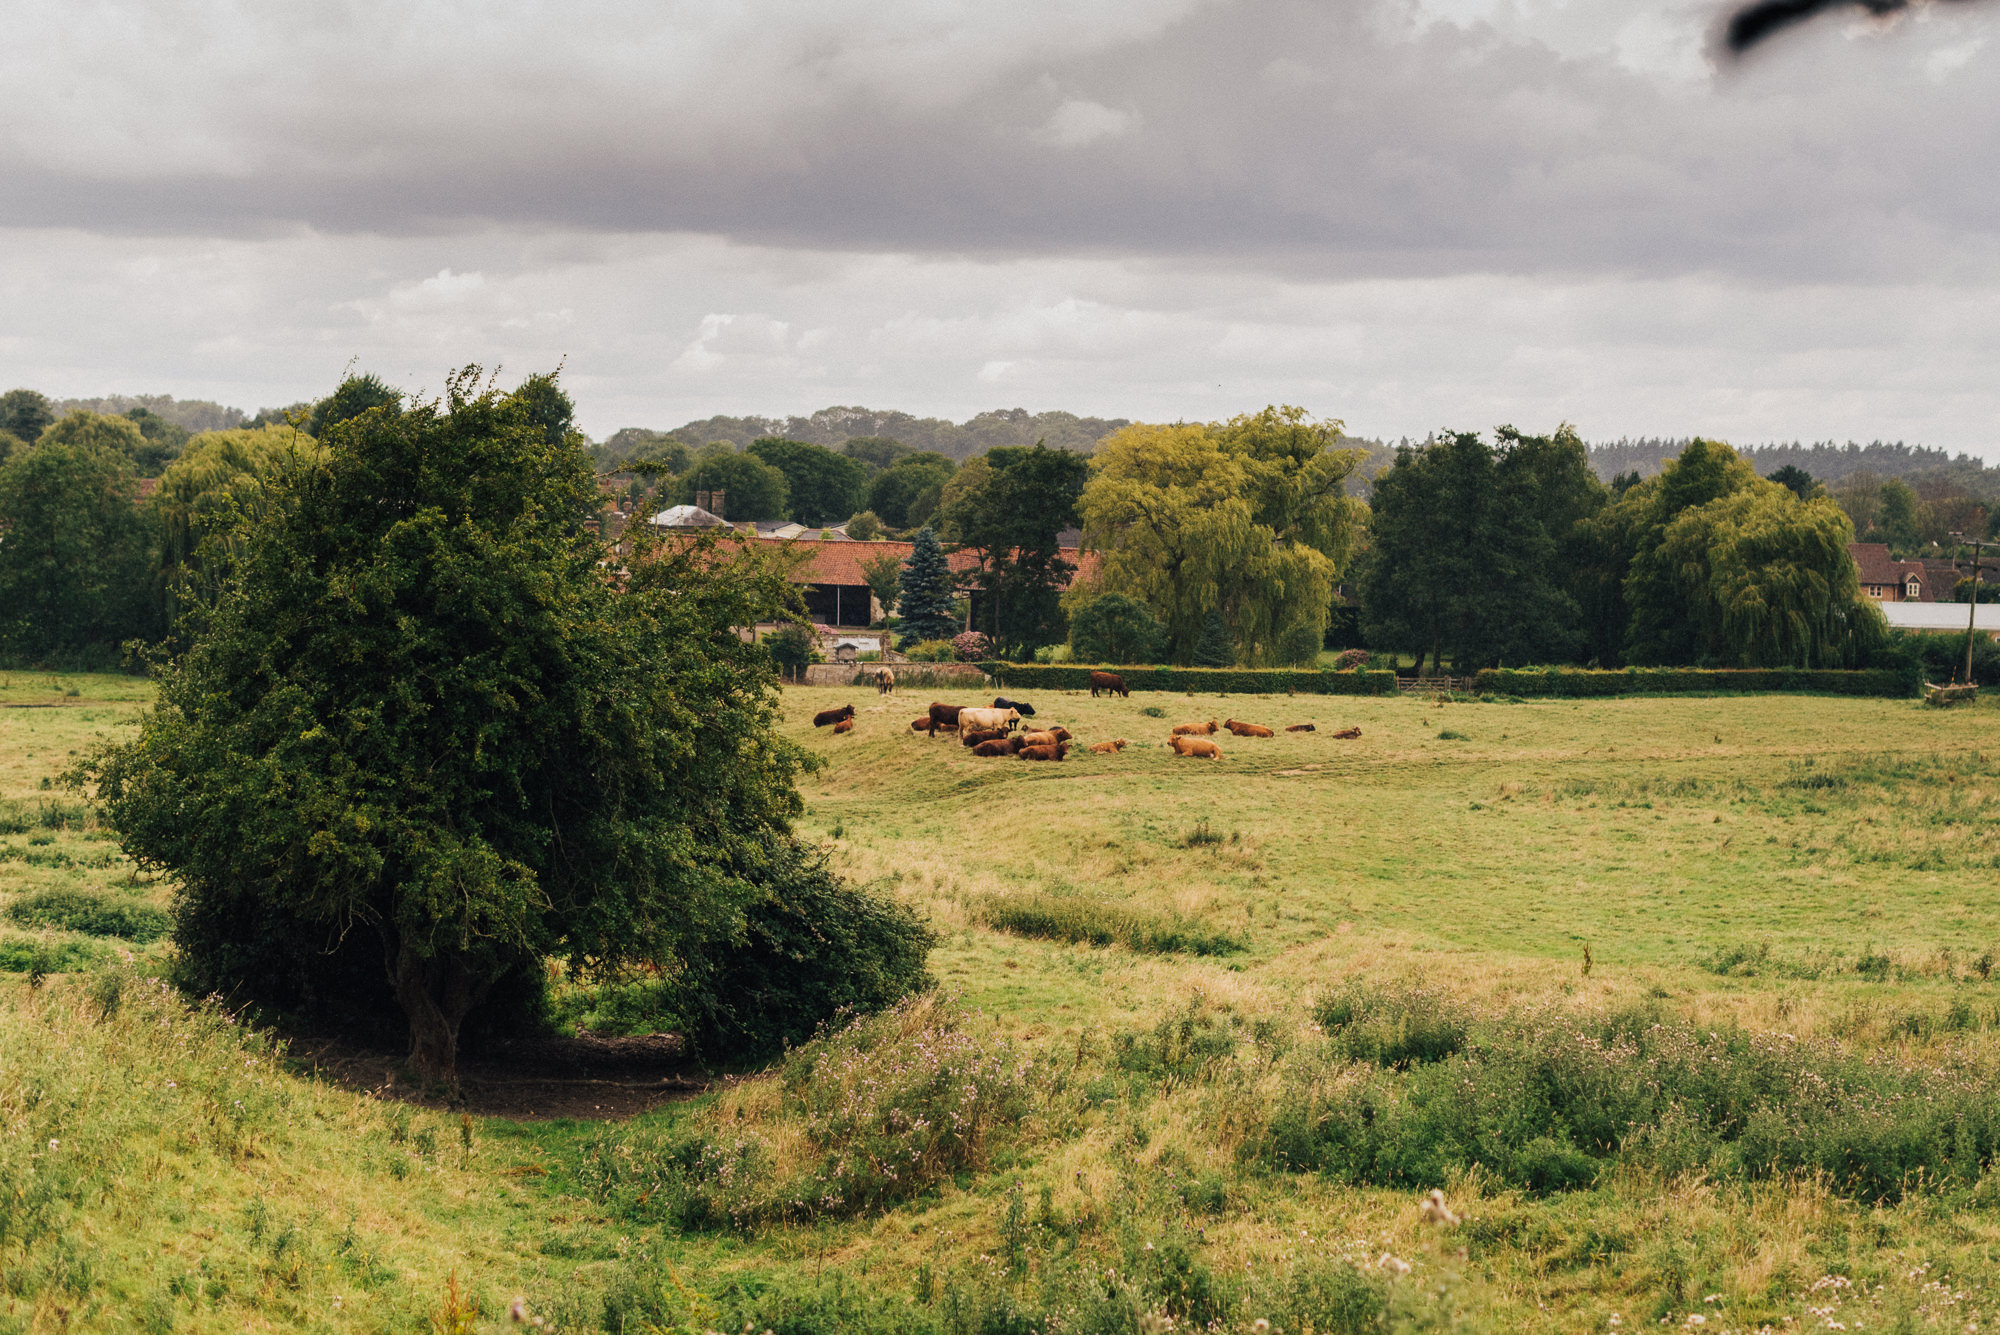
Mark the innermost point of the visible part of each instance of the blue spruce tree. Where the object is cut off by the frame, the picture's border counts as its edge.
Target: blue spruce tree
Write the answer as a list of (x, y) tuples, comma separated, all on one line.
[(926, 597)]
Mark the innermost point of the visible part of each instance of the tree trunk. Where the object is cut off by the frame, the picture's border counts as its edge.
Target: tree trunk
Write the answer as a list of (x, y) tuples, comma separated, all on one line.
[(435, 993)]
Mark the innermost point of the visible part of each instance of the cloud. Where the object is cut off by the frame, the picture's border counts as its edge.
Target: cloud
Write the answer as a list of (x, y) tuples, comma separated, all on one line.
[(1377, 137)]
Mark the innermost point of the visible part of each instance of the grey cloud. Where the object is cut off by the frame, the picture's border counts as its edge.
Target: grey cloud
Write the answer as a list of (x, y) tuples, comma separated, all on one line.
[(1320, 140)]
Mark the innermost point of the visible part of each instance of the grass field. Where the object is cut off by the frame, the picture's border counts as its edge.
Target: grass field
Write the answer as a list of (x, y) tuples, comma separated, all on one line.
[(1205, 1033)]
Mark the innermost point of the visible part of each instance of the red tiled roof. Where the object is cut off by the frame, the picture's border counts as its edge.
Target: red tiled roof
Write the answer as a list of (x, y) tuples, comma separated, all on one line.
[(1875, 567)]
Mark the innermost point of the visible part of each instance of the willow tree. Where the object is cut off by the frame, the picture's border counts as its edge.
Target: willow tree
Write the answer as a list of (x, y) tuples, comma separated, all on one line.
[(216, 492), (422, 726), (1248, 518)]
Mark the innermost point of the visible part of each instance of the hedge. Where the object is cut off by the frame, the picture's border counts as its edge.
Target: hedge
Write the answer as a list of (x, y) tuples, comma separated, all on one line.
[(1217, 681), (1577, 682)]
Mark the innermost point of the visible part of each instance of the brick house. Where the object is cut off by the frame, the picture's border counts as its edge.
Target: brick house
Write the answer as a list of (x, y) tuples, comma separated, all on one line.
[(1890, 581)]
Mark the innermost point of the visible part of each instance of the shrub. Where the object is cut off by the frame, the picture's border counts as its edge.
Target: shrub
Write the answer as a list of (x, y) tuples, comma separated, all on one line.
[(1396, 1028), (813, 947), (1079, 920), (792, 648), (970, 646), (931, 651), (1347, 660), (1242, 681), (1547, 1100), (1116, 629), (92, 912)]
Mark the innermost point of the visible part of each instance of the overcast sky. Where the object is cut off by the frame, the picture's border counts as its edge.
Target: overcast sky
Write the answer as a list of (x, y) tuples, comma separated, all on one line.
[(1407, 214)]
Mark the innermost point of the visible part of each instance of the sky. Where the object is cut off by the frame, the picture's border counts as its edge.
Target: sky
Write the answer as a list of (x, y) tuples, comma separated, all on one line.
[(1409, 215)]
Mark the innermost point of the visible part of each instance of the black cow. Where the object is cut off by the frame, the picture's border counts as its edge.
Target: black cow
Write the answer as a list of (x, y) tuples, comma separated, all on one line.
[(1024, 709)]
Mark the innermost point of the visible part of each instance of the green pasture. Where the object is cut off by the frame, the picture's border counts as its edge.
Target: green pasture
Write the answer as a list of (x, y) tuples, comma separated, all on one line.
[(1142, 940)]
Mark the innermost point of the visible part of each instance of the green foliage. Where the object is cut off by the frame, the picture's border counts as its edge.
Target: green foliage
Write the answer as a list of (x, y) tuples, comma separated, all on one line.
[(906, 493), (792, 648), (866, 527), (77, 568), (25, 414), (93, 912), (823, 487), (39, 958), (356, 395), (1474, 549), (163, 441), (1010, 513), (877, 452), (1248, 517), (1795, 480), (1087, 921), (1890, 683), (751, 488), (931, 651), (1898, 519), (1239, 681), (1213, 649), (812, 948), (1548, 1100), (1396, 1028), (214, 493), (926, 593), (884, 573), (420, 725), (1116, 629)]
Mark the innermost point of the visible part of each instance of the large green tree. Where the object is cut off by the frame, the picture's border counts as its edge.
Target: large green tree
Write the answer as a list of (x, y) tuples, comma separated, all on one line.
[(751, 488), (25, 414), (1115, 629), (423, 727), (355, 395), (824, 487), (907, 492), (216, 492), (1011, 515), (78, 570), (1247, 518)]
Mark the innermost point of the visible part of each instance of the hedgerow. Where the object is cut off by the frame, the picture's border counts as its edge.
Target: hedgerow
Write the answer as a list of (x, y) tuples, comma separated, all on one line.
[(1213, 681), (1892, 683)]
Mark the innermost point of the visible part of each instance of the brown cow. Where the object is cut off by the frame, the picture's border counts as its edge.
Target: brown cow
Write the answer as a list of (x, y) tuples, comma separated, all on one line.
[(999, 746), (1301, 727), (845, 725), (1247, 729), (1108, 748), (885, 681), (974, 736), (1047, 737), (943, 716), (1195, 729), (1108, 681), (1056, 752), (826, 716), (1196, 746), (1351, 732), (921, 724)]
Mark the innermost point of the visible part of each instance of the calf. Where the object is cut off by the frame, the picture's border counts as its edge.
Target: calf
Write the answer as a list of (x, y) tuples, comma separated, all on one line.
[(1301, 727), (1247, 729), (1194, 729), (826, 716), (1350, 732), (921, 724), (1196, 746), (973, 737), (1108, 748), (845, 725), (999, 746), (1109, 682), (1056, 752), (1026, 710)]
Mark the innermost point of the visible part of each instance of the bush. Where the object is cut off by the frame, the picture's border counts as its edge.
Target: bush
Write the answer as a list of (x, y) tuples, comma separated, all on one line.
[(1547, 1100), (931, 651), (813, 947), (36, 957), (970, 646), (1394, 1028), (1299, 646), (1116, 629), (792, 648), (1580, 682), (1347, 660), (92, 912), (1240, 681), (1093, 922)]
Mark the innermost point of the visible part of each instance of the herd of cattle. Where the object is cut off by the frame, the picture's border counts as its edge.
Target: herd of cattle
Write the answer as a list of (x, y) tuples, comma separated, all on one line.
[(990, 730)]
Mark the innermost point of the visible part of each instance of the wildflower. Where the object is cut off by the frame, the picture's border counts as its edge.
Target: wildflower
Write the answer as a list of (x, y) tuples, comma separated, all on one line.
[(1436, 1211), (54, 1144), (336, 1302), (1260, 1326), (1395, 1265), (517, 1312)]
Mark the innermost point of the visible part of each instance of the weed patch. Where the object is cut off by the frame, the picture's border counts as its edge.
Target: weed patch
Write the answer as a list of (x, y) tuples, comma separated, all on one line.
[(93, 913), (1085, 921)]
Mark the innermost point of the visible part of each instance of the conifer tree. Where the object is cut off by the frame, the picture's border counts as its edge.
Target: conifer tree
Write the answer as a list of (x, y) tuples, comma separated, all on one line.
[(927, 592), (1213, 649)]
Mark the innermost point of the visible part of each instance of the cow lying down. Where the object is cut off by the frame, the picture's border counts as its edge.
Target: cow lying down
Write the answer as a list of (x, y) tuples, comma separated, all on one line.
[(1196, 746)]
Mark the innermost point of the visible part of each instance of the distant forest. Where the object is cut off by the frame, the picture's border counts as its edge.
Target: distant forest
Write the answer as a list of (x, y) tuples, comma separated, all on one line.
[(1827, 461), (833, 427)]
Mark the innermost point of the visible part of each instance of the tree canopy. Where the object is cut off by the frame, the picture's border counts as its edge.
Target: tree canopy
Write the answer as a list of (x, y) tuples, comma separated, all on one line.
[(751, 488), (1009, 507), (1474, 549), (1115, 629), (217, 491), (78, 563), (422, 728), (25, 414), (354, 396), (823, 487), (1248, 519), (907, 492)]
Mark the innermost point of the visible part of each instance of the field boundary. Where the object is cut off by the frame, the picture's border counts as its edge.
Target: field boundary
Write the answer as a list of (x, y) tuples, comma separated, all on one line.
[(1581, 683), (1207, 681)]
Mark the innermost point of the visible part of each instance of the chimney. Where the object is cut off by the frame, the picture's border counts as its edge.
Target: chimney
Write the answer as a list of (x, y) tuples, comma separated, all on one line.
[(701, 499), (716, 509)]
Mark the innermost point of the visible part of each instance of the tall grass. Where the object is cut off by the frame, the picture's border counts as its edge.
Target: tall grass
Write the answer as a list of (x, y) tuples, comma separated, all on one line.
[(1085, 921), (92, 912)]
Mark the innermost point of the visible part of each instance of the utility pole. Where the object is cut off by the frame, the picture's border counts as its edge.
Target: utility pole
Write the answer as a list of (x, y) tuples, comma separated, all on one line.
[(1972, 620)]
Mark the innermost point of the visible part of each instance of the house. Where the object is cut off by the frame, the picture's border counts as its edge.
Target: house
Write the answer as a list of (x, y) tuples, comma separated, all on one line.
[(688, 516), (1890, 581)]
